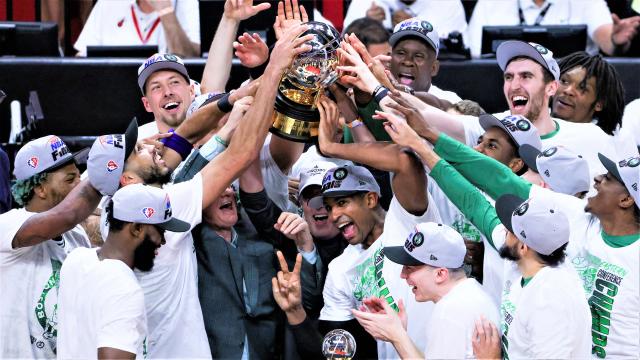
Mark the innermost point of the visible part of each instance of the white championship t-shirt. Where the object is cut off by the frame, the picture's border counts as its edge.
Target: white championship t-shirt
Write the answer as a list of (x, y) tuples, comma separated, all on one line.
[(101, 305), (450, 330), (548, 318), (358, 274), (29, 279), (175, 323), (112, 23), (610, 276)]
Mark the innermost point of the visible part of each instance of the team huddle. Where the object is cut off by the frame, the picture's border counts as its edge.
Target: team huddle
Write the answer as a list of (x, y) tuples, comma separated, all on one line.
[(417, 222)]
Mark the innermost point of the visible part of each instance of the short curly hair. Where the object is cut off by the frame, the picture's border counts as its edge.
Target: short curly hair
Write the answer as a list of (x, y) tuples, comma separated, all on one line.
[(22, 190)]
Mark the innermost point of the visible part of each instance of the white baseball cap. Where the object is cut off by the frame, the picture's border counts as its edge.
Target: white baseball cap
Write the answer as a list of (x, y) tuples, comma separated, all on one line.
[(565, 171), (538, 53), (44, 154), (430, 244), (519, 129), (347, 180), (416, 27), (627, 172), (144, 204), (313, 175), (537, 222), (107, 157), (160, 62)]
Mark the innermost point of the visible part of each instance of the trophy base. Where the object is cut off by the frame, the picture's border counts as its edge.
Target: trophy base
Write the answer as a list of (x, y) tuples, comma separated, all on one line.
[(294, 121)]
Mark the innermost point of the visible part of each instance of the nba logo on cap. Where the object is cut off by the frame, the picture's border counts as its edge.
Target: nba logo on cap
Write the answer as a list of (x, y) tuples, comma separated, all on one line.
[(148, 212), (33, 162), (111, 165)]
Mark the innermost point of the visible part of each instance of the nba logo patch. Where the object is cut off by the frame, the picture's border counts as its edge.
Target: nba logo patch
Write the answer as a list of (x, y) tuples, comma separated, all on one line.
[(33, 162), (111, 165), (148, 212)]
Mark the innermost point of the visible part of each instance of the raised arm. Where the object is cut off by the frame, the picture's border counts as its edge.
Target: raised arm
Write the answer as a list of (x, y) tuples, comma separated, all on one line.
[(75, 207), (253, 128), (177, 40), (409, 182), (218, 67)]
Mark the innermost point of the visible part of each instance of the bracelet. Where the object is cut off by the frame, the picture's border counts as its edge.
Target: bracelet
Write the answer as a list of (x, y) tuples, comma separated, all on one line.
[(355, 123), (223, 103), (178, 144), (220, 141), (165, 11), (380, 94)]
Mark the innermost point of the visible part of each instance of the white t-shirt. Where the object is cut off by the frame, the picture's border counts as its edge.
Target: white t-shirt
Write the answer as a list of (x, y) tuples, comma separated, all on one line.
[(585, 139), (101, 305), (631, 120), (358, 274), (147, 130), (111, 23), (610, 276), (176, 326), (450, 330), (450, 96), (548, 318), (29, 279), (593, 13), (275, 181), (445, 15)]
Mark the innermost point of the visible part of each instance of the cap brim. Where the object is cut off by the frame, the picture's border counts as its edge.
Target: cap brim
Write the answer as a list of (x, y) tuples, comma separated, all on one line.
[(505, 206), (174, 225), (529, 154), (398, 255), (161, 65), (342, 193), (396, 37), (130, 137), (514, 48), (611, 167), (77, 158)]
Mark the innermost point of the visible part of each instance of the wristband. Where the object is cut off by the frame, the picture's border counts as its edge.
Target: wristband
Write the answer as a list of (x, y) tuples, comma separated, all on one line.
[(178, 144), (380, 93), (223, 103), (165, 11), (219, 140), (355, 123)]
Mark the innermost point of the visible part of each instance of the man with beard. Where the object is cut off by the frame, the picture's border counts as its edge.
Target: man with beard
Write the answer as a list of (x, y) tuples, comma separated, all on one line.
[(102, 309), (176, 327), (603, 247), (35, 241)]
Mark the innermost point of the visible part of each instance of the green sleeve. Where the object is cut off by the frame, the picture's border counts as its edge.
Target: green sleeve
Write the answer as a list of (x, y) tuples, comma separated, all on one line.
[(486, 173), (466, 198), (375, 126)]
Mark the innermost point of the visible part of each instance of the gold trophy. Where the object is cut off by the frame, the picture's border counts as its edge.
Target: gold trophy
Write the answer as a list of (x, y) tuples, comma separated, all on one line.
[(296, 117)]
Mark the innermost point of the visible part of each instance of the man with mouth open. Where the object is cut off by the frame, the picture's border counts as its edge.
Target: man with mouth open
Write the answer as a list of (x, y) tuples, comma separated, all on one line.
[(102, 311)]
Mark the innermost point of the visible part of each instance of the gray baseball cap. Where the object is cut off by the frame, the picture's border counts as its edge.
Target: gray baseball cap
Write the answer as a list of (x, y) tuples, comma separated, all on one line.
[(519, 129), (160, 62), (107, 157), (626, 171), (538, 222), (430, 244), (347, 180), (144, 204), (419, 28), (538, 53), (565, 171), (44, 154)]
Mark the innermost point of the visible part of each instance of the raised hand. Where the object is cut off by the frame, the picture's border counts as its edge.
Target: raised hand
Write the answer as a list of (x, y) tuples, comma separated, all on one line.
[(486, 340), (289, 46), (287, 291), (624, 30), (289, 15), (159, 5), (251, 50), (249, 89), (358, 72), (243, 9), (345, 104), (376, 12), (329, 122), (295, 228), (398, 129)]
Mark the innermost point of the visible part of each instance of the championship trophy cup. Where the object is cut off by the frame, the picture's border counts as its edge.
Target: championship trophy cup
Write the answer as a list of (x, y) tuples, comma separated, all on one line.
[(296, 117), (338, 344)]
